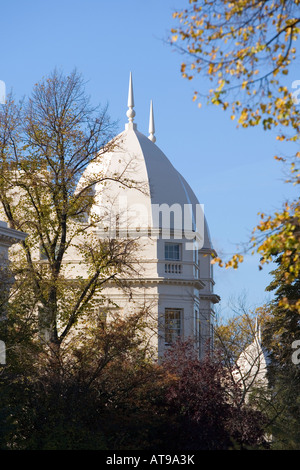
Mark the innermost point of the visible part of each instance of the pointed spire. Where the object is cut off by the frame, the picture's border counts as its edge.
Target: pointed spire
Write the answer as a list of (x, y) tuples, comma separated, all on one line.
[(130, 113), (151, 124), (257, 331)]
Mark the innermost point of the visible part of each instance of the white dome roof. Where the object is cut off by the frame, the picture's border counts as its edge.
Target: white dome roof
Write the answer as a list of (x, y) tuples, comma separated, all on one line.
[(142, 164)]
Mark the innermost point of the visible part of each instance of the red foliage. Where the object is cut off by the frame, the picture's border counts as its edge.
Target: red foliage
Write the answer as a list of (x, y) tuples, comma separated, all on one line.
[(207, 404)]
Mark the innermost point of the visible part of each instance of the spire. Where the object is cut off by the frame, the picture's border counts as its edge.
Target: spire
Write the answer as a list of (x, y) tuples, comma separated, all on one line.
[(130, 113), (257, 331), (151, 124)]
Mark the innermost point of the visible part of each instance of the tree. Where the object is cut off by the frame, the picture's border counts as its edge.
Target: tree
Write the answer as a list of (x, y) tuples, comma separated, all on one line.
[(46, 142), (206, 402), (282, 331), (98, 397), (282, 327), (240, 343), (233, 333), (245, 50), (77, 374), (279, 401)]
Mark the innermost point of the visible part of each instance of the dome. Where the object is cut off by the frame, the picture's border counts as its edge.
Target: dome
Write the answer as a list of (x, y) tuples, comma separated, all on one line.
[(253, 362), (138, 194), (144, 187)]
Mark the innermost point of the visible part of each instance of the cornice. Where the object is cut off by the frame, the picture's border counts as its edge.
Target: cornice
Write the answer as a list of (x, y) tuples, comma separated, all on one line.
[(9, 236), (163, 280), (214, 298)]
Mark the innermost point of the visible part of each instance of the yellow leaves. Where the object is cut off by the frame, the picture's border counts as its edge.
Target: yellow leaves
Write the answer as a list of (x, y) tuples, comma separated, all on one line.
[(243, 117), (280, 103), (177, 14), (232, 263), (232, 44), (247, 48), (276, 235), (218, 260), (210, 69), (282, 237), (263, 107)]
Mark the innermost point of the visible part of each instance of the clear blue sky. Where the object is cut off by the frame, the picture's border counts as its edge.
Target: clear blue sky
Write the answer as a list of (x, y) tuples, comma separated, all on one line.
[(232, 171)]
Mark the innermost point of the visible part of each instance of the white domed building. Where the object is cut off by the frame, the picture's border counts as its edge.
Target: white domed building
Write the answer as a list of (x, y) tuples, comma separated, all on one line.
[(157, 206)]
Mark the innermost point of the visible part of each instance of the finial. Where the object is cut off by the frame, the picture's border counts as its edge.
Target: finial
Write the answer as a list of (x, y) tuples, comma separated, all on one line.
[(151, 124), (130, 113)]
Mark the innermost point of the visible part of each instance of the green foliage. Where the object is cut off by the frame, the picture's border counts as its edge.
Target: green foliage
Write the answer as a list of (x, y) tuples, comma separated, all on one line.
[(281, 330), (45, 145), (96, 395)]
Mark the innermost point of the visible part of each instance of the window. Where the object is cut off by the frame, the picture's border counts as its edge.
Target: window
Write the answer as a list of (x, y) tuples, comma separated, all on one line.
[(173, 251), (43, 255), (102, 317), (173, 324)]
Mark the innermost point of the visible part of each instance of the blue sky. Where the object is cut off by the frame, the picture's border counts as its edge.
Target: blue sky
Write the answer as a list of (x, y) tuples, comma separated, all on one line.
[(232, 171)]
